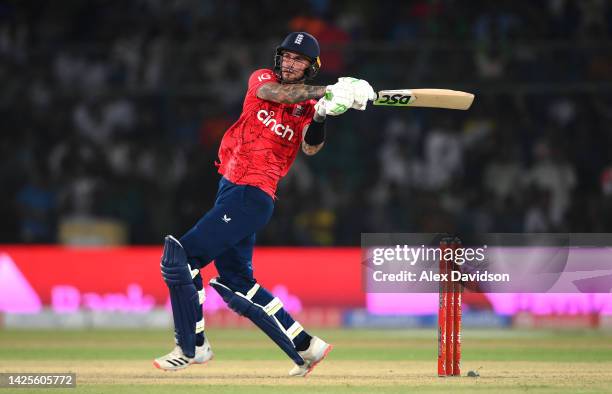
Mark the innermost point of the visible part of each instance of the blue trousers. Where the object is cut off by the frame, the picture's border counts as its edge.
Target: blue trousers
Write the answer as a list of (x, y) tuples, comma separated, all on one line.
[(226, 233)]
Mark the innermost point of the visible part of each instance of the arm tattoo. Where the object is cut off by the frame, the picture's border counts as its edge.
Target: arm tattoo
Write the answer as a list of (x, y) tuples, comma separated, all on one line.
[(308, 149), (311, 149), (289, 94)]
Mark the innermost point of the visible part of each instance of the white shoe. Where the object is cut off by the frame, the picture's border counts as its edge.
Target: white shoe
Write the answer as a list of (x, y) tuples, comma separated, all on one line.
[(316, 352), (176, 359)]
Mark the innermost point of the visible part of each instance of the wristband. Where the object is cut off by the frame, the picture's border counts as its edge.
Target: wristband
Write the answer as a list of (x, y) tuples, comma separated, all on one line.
[(316, 133)]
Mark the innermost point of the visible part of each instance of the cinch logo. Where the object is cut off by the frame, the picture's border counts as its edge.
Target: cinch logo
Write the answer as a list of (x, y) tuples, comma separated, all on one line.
[(298, 39), (278, 129)]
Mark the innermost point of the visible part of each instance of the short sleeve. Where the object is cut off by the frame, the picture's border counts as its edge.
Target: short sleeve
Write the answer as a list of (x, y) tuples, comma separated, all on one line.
[(258, 79), (309, 113)]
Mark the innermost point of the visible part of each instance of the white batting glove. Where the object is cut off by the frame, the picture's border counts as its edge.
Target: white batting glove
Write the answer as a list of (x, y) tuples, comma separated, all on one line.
[(320, 108), (338, 99), (362, 91)]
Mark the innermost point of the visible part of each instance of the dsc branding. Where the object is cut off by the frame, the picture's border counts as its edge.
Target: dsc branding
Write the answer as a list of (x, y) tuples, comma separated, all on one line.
[(267, 118)]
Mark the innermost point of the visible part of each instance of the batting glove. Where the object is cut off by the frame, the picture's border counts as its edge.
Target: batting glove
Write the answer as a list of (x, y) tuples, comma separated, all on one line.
[(362, 91), (338, 99), (320, 108)]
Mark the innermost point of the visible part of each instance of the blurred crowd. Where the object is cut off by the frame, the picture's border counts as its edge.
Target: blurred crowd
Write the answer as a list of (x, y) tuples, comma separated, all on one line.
[(115, 110)]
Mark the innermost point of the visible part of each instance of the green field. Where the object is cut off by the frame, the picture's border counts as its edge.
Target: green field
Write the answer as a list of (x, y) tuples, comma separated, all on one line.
[(363, 361)]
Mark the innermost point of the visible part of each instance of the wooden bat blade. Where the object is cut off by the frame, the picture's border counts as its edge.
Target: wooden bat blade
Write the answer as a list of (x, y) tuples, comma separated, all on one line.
[(431, 98)]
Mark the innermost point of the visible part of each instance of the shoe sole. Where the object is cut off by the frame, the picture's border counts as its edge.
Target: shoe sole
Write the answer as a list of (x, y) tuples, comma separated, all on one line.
[(313, 365), (204, 362), (156, 365)]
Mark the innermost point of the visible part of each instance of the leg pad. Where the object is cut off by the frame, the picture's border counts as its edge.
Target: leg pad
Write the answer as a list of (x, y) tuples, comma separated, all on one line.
[(262, 316), (184, 296)]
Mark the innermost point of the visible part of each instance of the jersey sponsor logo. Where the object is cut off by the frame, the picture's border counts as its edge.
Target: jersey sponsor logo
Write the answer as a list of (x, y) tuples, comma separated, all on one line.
[(264, 77), (298, 39), (267, 118)]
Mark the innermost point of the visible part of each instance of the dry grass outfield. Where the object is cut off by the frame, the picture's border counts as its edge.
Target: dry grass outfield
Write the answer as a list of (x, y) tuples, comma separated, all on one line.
[(330, 376), (364, 362)]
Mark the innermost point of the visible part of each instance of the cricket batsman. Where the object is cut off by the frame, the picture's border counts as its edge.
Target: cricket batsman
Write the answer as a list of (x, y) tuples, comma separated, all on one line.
[(280, 114)]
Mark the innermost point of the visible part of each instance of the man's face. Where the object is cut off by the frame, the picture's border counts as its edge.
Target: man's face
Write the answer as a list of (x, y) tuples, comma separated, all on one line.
[(293, 66)]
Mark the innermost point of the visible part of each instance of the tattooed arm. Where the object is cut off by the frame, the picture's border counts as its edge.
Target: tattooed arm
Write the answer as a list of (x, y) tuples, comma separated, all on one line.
[(319, 135), (311, 149), (289, 94)]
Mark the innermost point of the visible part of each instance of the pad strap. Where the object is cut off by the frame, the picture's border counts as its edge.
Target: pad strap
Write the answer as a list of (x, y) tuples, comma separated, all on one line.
[(273, 306), (294, 330), (199, 326), (249, 295), (194, 272)]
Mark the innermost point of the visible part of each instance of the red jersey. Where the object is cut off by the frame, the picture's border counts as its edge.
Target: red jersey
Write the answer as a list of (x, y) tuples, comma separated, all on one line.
[(260, 147)]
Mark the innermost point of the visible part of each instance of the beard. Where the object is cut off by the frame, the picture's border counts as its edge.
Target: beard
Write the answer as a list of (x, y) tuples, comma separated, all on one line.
[(291, 75)]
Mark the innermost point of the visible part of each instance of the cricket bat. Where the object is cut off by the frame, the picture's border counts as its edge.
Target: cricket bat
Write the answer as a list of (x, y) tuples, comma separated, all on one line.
[(432, 98)]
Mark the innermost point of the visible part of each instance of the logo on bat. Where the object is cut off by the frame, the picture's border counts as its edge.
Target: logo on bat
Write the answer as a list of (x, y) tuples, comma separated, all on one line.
[(394, 99)]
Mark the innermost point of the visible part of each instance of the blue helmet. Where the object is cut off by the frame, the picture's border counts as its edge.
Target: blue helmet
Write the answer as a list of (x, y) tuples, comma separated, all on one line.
[(304, 44)]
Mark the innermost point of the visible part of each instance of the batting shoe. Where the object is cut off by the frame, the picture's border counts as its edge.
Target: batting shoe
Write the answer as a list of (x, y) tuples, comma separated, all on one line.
[(316, 352), (176, 359)]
